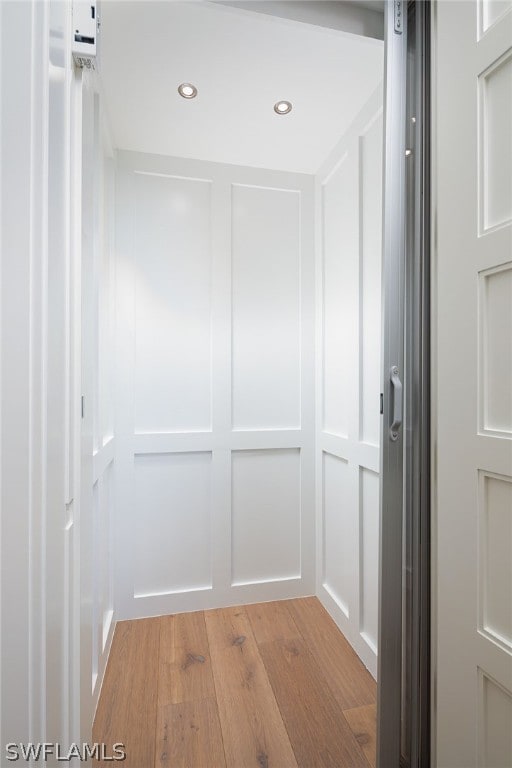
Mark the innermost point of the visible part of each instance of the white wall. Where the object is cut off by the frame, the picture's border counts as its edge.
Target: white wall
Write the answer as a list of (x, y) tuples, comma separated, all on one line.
[(57, 590), (39, 690), (214, 393), (349, 234)]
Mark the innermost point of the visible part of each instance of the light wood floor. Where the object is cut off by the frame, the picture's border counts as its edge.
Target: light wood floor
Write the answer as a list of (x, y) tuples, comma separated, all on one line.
[(273, 685)]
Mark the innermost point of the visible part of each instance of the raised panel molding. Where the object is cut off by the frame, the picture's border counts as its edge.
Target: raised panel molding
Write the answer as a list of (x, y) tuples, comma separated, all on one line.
[(245, 534), (369, 500), (370, 258), (339, 531), (494, 719), (495, 151), (172, 269), (495, 557), (96, 601), (349, 212), (105, 303), (491, 11), (105, 546), (339, 217), (266, 308), (266, 516), (495, 350), (172, 526), (472, 352)]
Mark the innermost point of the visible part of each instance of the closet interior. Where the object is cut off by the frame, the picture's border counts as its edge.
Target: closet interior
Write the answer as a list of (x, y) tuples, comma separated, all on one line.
[(231, 299)]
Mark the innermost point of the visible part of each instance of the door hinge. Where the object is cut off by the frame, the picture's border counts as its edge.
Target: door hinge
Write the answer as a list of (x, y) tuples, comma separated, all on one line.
[(399, 16)]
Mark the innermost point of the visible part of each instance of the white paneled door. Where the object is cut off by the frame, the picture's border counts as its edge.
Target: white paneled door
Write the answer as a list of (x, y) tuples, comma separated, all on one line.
[(215, 370), (473, 423)]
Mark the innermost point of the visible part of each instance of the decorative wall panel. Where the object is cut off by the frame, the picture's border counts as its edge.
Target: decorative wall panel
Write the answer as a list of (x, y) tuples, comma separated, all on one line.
[(105, 546), (266, 328), (172, 526), (214, 385), (370, 249), (266, 515), (340, 247), (339, 530), (369, 555), (172, 304), (349, 217)]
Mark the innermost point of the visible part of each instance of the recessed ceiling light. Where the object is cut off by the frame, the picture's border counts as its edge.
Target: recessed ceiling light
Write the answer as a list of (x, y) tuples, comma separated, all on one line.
[(282, 107), (187, 90)]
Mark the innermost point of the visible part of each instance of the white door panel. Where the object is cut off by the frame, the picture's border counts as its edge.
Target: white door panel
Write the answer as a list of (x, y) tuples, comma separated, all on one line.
[(473, 357)]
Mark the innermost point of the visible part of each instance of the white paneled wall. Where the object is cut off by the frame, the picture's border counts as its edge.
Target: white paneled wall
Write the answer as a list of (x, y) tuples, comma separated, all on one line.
[(98, 469), (266, 526), (173, 522), (104, 470), (266, 312), (173, 279), (200, 431), (39, 410), (215, 385), (339, 531), (23, 309), (349, 230)]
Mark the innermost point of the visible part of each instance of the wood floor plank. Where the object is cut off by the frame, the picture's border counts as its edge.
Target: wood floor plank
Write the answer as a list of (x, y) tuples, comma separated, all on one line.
[(271, 621), (189, 736), (363, 722), (261, 686), (320, 736), (252, 728), (128, 703), (185, 665), (347, 677)]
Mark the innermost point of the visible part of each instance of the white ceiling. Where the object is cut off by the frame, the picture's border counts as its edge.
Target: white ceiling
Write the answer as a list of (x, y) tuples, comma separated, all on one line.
[(242, 63), (349, 15)]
